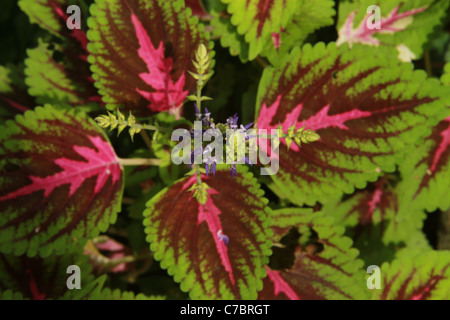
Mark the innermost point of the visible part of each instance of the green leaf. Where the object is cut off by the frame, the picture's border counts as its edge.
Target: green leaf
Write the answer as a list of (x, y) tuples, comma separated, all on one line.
[(57, 82), (309, 17), (14, 98), (425, 276), (405, 25), (257, 20), (445, 79), (223, 29), (330, 271), (42, 278), (368, 109), (381, 219), (60, 182), (51, 14), (217, 250)]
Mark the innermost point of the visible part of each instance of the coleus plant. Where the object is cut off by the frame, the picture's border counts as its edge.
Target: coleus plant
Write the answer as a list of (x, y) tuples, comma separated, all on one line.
[(363, 152)]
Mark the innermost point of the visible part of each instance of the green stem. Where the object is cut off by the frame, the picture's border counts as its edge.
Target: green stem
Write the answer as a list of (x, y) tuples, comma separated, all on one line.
[(139, 162), (196, 168), (147, 140)]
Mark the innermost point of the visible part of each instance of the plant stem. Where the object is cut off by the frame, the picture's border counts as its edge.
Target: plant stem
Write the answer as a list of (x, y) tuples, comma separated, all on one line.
[(139, 162), (196, 168), (147, 140)]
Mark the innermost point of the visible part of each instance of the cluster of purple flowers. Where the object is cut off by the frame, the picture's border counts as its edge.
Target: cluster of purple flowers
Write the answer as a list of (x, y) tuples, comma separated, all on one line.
[(208, 123)]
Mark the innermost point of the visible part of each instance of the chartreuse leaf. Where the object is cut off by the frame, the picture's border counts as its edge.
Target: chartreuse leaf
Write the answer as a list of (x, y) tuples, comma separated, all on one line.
[(51, 15), (427, 171), (223, 29), (381, 219), (94, 291), (57, 82), (14, 98), (446, 76), (216, 250), (331, 272), (141, 53), (10, 295), (423, 276), (309, 16), (46, 278), (42, 278), (258, 20), (46, 13), (369, 110), (60, 182), (405, 25)]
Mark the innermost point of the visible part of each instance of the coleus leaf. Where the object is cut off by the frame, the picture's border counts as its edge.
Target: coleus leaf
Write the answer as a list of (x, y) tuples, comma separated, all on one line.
[(445, 79), (309, 16), (227, 32), (51, 15), (60, 182), (141, 53), (334, 272), (427, 171), (58, 82), (257, 20), (425, 276), (42, 278), (51, 80), (381, 219), (217, 250), (14, 98), (46, 278), (367, 108), (198, 9), (405, 25)]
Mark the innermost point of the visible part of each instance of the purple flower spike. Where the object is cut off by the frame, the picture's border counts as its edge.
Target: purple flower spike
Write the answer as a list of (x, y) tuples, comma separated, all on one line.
[(197, 112), (213, 169), (249, 125), (207, 114), (247, 160), (223, 237), (233, 170)]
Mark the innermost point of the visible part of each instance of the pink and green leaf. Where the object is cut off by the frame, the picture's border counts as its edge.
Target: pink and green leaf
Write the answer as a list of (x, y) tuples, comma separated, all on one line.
[(61, 182), (333, 272), (141, 53), (309, 17), (380, 218), (369, 111), (425, 276), (405, 25), (51, 15), (216, 250), (41, 278), (257, 20), (46, 278), (427, 172)]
